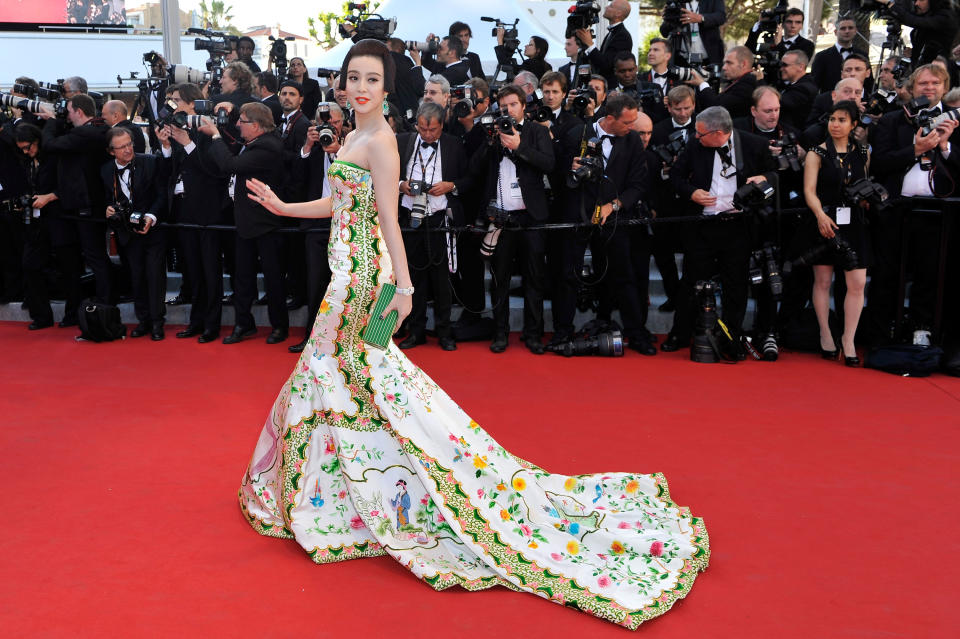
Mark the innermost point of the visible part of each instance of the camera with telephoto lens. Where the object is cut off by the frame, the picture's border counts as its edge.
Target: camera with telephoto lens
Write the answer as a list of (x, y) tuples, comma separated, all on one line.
[(865, 189), (463, 93), (836, 247), (49, 92), (497, 217), (765, 267), (669, 150), (876, 106), (902, 70), (16, 102), (591, 164), (770, 19), (705, 294), (511, 36), (649, 94), (24, 90), (755, 197), (604, 344), (535, 109), (328, 134), (20, 206), (431, 46), (419, 187), (418, 210), (787, 158), (583, 15), (181, 73), (928, 122), (365, 25)]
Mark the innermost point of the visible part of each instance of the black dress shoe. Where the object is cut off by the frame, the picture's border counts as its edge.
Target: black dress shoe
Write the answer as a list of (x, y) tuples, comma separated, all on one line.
[(671, 344), (277, 335), (177, 300), (208, 336), (499, 343), (157, 333), (299, 346), (227, 300), (239, 334), (853, 362), (412, 340), (293, 303), (189, 332), (642, 346), (534, 345), (262, 301), (139, 331), (36, 326), (448, 343), (667, 307), (67, 323)]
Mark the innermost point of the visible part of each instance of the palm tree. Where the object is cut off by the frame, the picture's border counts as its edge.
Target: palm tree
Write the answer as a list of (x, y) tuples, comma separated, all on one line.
[(216, 16)]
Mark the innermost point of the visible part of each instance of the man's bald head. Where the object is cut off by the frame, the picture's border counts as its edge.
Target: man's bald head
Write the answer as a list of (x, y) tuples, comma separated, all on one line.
[(617, 11), (847, 89), (644, 126), (114, 111)]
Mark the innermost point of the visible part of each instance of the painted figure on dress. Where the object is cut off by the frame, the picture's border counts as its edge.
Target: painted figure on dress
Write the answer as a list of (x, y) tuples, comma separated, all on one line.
[(402, 504)]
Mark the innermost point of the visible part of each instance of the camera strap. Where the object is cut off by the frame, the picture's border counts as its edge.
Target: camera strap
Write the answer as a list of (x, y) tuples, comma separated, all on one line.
[(119, 183)]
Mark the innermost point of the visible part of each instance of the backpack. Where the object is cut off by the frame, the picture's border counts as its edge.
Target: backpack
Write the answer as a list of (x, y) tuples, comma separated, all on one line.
[(100, 322), (908, 360)]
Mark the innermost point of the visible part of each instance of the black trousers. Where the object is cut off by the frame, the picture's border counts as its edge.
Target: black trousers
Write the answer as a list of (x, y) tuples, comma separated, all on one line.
[(12, 231), (615, 262), (317, 273), (665, 244), (714, 249), (295, 266), (468, 281), (147, 256), (200, 257), (93, 244), (528, 248), (269, 247), (39, 254), (429, 272)]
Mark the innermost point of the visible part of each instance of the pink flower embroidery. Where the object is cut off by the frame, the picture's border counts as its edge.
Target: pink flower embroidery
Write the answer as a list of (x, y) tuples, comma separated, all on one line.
[(603, 581), (440, 517), (425, 500), (480, 493), (556, 556), (356, 523), (490, 447), (453, 439), (526, 529), (602, 556), (656, 549), (342, 494), (623, 524), (374, 513)]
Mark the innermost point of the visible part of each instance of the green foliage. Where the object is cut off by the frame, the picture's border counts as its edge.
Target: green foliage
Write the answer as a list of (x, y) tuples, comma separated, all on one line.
[(645, 49), (217, 16), (324, 29)]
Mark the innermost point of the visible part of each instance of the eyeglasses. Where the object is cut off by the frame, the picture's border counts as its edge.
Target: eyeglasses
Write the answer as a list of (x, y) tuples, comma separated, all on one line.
[(242, 121), (699, 135), (122, 146)]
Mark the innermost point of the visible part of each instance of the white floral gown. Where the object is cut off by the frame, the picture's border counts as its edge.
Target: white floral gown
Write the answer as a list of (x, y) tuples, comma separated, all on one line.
[(364, 455)]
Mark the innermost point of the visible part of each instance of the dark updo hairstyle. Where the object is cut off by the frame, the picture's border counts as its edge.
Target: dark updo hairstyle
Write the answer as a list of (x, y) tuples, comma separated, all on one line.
[(541, 46), (374, 49), (849, 107)]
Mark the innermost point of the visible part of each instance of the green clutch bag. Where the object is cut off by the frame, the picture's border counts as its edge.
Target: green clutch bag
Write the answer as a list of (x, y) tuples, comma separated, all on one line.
[(378, 331)]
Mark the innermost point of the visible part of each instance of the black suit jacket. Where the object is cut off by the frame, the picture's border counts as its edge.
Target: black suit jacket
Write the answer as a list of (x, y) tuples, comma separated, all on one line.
[(408, 86), (825, 69), (714, 16), (455, 167), (893, 157), (534, 158), (204, 189), (473, 62), (274, 103), (796, 100), (455, 73), (147, 190), (261, 159), (937, 29), (81, 152), (294, 188), (601, 58), (694, 166), (625, 174), (800, 44), (736, 98), (136, 134), (13, 175), (312, 96)]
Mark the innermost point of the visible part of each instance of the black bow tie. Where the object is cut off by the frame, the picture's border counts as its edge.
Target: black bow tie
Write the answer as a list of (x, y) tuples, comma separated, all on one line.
[(659, 75), (432, 145), (724, 152), (122, 169), (846, 50)]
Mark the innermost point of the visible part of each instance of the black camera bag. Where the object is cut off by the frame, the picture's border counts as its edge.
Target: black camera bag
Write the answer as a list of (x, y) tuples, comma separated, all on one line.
[(907, 360), (100, 322)]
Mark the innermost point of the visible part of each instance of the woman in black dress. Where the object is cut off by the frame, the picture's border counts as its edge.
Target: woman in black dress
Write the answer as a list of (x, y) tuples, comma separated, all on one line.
[(311, 88), (828, 169), (536, 52)]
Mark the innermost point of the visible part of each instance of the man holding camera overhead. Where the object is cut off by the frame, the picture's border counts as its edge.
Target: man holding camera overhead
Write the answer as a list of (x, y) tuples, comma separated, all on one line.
[(448, 62), (738, 72), (707, 174), (135, 197), (433, 174), (618, 39), (514, 161)]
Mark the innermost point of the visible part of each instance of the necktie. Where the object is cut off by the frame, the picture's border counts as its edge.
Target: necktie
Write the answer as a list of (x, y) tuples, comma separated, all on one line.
[(431, 145)]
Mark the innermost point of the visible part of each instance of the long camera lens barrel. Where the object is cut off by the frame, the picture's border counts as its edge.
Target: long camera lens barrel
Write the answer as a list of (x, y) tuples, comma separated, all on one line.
[(180, 73)]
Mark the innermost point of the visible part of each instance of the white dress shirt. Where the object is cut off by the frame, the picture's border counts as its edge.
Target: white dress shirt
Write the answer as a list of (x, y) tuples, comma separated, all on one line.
[(721, 187), (425, 164), (917, 182)]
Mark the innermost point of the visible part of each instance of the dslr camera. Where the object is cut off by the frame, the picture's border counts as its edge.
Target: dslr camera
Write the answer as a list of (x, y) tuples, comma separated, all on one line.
[(837, 247), (430, 47), (580, 100), (535, 109), (463, 94), (591, 164), (328, 134), (20, 206), (418, 210), (134, 220), (865, 189), (755, 197), (668, 152), (765, 267), (787, 158), (365, 25)]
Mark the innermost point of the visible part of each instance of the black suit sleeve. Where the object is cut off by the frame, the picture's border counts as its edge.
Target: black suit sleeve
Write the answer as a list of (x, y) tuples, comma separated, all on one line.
[(681, 171), (536, 149), (889, 156), (634, 188), (246, 162)]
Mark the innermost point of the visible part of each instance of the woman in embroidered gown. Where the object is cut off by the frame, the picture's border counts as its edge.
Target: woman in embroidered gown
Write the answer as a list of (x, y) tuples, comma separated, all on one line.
[(364, 455)]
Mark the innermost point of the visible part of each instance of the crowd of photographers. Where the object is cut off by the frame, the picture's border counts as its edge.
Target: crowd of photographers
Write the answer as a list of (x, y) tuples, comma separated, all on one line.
[(706, 154)]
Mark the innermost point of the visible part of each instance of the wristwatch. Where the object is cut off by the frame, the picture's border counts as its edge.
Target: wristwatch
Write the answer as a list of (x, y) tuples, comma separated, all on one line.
[(616, 206), (404, 291)]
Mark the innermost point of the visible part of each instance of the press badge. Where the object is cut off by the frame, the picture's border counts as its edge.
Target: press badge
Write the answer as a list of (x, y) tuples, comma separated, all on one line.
[(843, 215), (515, 190)]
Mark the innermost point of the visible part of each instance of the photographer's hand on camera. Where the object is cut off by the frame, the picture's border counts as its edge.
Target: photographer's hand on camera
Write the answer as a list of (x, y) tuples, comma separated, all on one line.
[(510, 140), (585, 37), (690, 17), (923, 143), (703, 198), (40, 201)]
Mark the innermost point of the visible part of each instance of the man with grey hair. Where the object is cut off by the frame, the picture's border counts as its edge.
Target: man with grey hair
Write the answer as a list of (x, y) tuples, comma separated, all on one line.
[(74, 85), (706, 175), (437, 90), (433, 173), (527, 81)]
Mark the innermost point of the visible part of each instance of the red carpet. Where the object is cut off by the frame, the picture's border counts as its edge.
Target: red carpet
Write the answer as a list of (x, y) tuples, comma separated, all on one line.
[(830, 494)]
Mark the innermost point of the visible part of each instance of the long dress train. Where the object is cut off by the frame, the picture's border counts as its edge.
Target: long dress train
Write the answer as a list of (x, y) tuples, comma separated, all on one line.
[(364, 455)]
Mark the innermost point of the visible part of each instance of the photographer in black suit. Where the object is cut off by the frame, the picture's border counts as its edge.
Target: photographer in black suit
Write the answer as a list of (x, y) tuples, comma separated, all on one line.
[(618, 39), (699, 31), (264, 88), (447, 62), (828, 64), (433, 174), (261, 158), (293, 128), (196, 195), (80, 151), (736, 96), (611, 196), (911, 164), (134, 187), (797, 89), (787, 36), (514, 162), (933, 22), (462, 31), (707, 174)]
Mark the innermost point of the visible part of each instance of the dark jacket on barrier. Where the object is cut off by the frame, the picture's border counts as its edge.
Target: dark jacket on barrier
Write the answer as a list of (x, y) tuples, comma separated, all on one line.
[(81, 151), (694, 167), (262, 159), (148, 195), (534, 158), (204, 189), (454, 168), (893, 156)]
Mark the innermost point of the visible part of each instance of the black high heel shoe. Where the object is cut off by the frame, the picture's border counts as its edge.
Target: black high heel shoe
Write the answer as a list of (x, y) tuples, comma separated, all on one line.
[(853, 362), (825, 354)]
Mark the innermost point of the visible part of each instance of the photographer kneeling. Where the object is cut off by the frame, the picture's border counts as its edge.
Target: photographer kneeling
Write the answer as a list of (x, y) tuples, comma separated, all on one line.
[(134, 186), (433, 173), (607, 181), (708, 172)]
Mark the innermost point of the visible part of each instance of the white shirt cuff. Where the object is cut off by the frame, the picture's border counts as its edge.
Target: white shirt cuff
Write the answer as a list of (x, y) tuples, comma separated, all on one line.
[(189, 148), (166, 150), (152, 217), (304, 154), (946, 154), (590, 49), (703, 85)]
